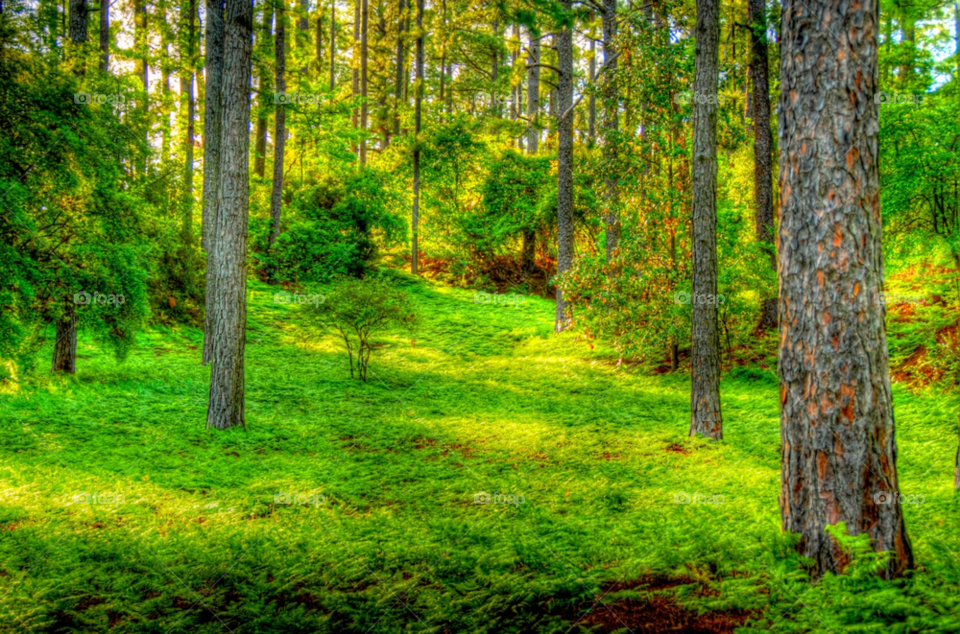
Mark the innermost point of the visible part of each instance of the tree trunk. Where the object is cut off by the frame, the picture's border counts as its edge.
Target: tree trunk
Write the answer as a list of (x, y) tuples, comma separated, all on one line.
[(591, 78), (264, 98), (280, 134), (837, 427), (78, 21), (355, 63), (364, 19), (611, 125), (187, 52), (564, 114), (528, 254), (398, 88), (211, 151), (303, 35), (762, 147), (705, 417), (418, 99), (104, 35), (229, 319), (65, 346), (333, 45)]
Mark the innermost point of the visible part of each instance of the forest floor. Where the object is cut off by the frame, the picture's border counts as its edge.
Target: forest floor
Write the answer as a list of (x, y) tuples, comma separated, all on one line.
[(490, 477)]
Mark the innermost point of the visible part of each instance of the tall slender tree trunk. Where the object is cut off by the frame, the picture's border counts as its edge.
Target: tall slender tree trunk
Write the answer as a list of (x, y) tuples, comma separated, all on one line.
[(591, 78), (65, 345), (564, 113), (229, 319), (611, 125), (280, 135), (355, 64), (142, 42), (303, 35), (264, 98), (762, 146), (187, 65), (333, 45), (211, 152), (104, 35), (398, 88), (418, 105), (705, 417), (364, 19), (837, 427), (529, 249)]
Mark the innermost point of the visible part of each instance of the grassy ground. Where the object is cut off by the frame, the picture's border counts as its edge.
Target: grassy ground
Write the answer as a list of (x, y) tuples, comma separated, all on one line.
[(350, 507)]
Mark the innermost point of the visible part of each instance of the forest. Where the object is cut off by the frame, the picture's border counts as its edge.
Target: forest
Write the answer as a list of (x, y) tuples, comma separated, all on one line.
[(486, 316)]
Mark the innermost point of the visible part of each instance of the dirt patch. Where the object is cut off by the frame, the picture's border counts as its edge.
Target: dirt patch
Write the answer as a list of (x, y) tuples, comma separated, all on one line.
[(657, 612), (677, 448)]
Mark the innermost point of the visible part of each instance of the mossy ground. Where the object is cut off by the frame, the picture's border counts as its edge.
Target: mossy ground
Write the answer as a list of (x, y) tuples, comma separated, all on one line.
[(350, 507)]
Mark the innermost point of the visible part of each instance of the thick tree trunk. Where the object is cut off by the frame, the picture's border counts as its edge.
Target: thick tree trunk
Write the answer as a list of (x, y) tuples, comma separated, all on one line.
[(229, 319), (762, 146), (418, 104), (65, 346), (837, 427), (564, 113), (611, 125), (280, 134), (705, 417), (364, 52), (211, 151), (104, 35), (78, 21)]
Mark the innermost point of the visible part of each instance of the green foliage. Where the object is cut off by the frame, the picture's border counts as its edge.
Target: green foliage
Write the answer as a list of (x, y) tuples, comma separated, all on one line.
[(359, 310)]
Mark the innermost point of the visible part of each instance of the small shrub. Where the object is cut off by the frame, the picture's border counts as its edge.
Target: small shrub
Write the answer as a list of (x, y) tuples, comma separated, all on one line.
[(358, 309)]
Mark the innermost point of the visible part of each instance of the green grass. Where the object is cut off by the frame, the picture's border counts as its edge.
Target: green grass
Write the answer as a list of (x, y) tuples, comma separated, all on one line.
[(187, 532)]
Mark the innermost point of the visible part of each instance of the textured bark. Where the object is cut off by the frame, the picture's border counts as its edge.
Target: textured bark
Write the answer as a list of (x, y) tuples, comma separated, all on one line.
[(611, 125), (564, 40), (211, 117), (229, 318), (418, 104), (78, 21), (65, 346), (211, 152), (762, 146), (355, 66), (280, 134), (705, 417), (364, 54), (104, 35), (142, 42), (265, 96), (837, 426)]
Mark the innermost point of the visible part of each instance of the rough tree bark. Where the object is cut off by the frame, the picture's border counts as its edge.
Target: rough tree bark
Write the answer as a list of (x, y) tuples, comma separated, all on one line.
[(229, 318), (611, 125), (211, 150), (591, 78), (280, 130), (837, 427), (418, 103), (564, 111), (355, 68), (65, 345), (187, 65), (333, 45), (705, 417), (762, 146), (78, 21), (528, 254)]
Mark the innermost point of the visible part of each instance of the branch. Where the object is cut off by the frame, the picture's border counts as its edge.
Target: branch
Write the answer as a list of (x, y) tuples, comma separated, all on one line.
[(603, 68)]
